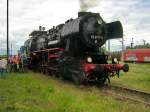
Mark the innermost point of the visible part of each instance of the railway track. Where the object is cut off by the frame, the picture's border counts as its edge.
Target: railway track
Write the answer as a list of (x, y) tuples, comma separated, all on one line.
[(121, 93), (125, 93)]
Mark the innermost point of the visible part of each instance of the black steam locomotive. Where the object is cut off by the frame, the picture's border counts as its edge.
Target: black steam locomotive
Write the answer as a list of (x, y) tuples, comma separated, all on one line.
[(73, 50)]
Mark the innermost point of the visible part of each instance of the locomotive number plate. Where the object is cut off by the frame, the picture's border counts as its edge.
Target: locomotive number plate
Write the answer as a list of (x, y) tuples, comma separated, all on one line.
[(96, 37)]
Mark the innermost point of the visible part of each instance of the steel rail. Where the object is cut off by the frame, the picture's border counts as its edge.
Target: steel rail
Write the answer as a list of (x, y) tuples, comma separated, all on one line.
[(128, 93)]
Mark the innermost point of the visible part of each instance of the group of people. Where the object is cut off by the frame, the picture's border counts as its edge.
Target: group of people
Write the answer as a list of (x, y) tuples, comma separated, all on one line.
[(14, 64)]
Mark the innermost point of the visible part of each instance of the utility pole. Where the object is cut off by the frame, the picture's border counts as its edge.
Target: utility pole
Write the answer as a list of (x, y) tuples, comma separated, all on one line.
[(11, 49), (132, 43), (108, 45), (144, 42), (7, 30), (122, 42)]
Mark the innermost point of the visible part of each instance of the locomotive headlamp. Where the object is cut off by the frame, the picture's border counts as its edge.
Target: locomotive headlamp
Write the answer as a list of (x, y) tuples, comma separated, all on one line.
[(115, 60), (89, 59)]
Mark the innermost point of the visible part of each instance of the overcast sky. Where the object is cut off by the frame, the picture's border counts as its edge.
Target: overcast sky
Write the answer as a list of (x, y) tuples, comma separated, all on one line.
[(26, 15)]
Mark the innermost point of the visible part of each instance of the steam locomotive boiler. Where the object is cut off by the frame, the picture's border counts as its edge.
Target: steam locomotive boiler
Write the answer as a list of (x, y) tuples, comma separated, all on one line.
[(73, 50)]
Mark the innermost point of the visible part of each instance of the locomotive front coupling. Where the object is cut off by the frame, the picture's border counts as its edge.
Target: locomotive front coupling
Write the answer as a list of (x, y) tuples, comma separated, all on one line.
[(101, 72)]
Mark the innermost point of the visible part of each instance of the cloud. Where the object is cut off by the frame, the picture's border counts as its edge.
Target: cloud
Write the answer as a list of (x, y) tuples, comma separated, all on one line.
[(26, 15), (134, 15)]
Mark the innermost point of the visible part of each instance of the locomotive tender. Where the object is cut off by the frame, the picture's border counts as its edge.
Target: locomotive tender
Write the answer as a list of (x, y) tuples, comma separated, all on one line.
[(72, 50)]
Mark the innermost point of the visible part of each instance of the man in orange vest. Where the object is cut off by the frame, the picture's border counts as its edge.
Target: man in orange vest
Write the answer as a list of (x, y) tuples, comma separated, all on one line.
[(15, 62)]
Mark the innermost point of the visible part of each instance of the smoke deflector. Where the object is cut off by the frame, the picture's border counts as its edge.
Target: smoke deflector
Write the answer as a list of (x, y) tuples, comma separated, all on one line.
[(114, 30)]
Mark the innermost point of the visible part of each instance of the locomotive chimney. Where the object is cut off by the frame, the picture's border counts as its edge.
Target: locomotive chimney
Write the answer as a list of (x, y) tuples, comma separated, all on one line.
[(82, 13), (43, 28), (40, 28)]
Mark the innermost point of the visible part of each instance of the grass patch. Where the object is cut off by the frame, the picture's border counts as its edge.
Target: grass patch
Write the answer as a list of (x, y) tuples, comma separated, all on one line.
[(138, 77), (33, 92)]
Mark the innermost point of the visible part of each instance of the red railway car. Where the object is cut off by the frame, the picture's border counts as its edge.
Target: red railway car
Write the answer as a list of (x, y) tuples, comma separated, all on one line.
[(136, 55)]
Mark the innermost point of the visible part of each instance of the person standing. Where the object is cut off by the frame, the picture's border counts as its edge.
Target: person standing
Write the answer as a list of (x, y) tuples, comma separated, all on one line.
[(13, 64), (22, 62), (16, 63), (3, 67), (10, 64), (1, 72)]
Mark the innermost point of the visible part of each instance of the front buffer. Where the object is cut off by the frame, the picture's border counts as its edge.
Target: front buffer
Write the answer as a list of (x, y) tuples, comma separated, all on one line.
[(102, 72)]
